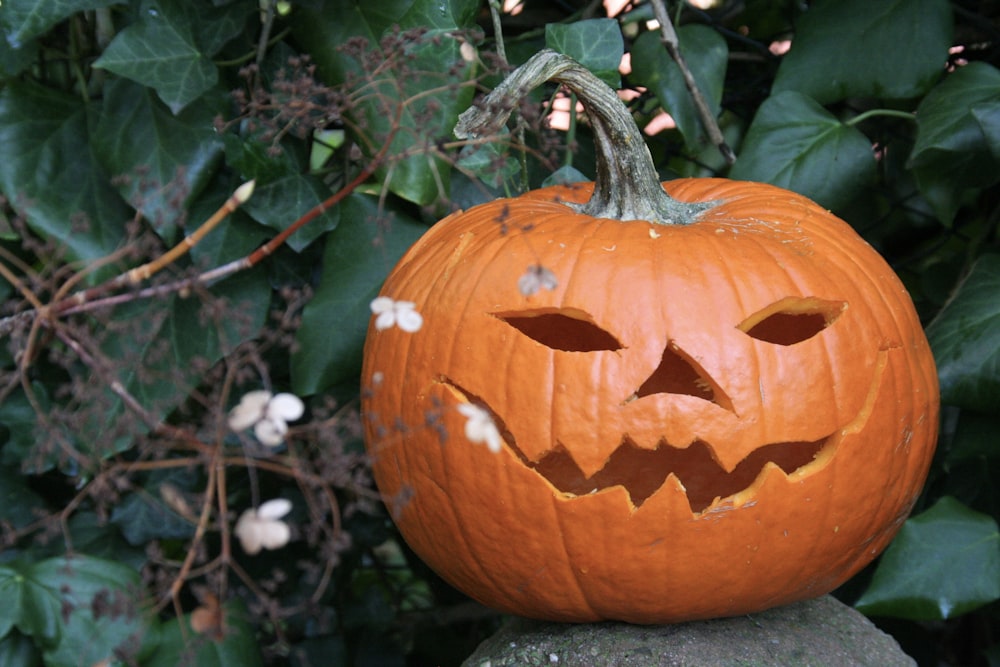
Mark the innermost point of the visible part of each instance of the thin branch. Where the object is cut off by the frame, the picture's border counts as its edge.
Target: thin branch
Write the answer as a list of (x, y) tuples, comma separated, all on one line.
[(668, 36)]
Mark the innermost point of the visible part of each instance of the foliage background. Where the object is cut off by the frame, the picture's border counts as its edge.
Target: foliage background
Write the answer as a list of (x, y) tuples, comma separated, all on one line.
[(123, 125)]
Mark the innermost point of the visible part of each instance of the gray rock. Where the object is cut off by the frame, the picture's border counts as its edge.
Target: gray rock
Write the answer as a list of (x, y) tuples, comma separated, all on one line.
[(815, 633)]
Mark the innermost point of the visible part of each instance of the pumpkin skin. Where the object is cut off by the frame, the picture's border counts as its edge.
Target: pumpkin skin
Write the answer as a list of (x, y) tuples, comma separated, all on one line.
[(766, 332)]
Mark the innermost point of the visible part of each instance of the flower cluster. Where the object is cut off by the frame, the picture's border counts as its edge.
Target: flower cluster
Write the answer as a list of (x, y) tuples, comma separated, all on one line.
[(479, 424), (389, 313), (267, 413), (262, 528), (480, 427)]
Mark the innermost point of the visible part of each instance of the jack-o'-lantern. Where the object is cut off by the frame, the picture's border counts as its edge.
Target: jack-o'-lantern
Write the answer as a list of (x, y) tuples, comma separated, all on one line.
[(707, 397)]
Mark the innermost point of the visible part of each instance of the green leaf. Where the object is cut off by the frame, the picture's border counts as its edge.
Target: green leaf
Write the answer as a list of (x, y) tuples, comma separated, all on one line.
[(143, 516), (890, 49), (18, 417), (49, 173), (974, 440), (967, 461), (15, 61), (795, 143), (596, 44), (706, 54), (79, 610), (359, 254), (236, 237), (491, 162), (18, 501), (946, 118), (11, 584), (958, 137), (421, 80), (160, 160), (159, 349), (565, 175), (284, 189), (23, 20), (183, 646), (988, 117), (16, 650), (943, 563), (965, 338), (160, 50)]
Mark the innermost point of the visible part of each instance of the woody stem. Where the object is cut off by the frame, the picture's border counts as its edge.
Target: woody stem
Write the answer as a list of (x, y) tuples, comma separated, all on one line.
[(626, 185)]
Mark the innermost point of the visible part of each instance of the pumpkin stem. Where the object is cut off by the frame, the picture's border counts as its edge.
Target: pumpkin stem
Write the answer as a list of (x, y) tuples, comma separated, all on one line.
[(626, 186)]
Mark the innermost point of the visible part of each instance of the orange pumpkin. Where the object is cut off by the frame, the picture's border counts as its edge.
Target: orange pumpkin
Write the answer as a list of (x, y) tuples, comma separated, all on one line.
[(699, 416)]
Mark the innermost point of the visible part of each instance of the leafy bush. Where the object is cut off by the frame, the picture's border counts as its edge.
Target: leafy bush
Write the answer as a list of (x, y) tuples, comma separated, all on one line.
[(143, 300)]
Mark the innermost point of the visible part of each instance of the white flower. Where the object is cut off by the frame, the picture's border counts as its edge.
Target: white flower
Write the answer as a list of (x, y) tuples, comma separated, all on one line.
[(267, 413), (479, 427), (390, 312), (261, 528)]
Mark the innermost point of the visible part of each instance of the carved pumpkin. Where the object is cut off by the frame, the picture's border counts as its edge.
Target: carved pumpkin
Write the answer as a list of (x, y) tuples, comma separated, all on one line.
[(715, 409)]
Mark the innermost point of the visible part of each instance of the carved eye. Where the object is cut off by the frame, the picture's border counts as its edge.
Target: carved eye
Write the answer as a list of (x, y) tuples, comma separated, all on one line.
[(568, 329), (792, 320)]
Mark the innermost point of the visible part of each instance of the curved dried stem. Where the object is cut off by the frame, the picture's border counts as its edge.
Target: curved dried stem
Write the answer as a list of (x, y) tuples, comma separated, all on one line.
[(627, 186)]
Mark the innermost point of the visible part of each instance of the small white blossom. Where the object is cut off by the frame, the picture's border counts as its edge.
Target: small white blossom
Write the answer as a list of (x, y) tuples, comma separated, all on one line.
[(479, 427), (267, 413), (389, 312), (262, 528)]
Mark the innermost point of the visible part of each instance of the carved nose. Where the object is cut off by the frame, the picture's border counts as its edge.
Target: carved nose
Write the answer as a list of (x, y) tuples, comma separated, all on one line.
[(678, 373)]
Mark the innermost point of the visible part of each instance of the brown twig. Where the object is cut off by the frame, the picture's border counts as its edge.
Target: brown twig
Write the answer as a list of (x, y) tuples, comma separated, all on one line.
[(669, 39)]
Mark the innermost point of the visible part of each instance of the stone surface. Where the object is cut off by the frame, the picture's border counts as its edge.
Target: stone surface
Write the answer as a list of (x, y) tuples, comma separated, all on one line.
[(815, 633)]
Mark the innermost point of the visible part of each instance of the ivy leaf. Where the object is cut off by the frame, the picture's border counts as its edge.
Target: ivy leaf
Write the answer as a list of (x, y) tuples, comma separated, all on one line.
[(915, 579), (491, 162), (161, 348), (988, 117), (421, 80), (159, 50), (79, 610), (596, 44), (16, 650), (50, 174), (564, 175), (968, 460), (965, 338), (236, 237), (795, 143), (958, 137), (884, 48), (144, 516), (358, 256), (18, 501), (23, 20), (164, 160), (15, 61), (706, 53), (18, 417), (284, 189), (237, 647)]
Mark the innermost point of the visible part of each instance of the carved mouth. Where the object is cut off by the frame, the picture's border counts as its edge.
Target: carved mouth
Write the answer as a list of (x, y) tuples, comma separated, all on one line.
[(641, 472)]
